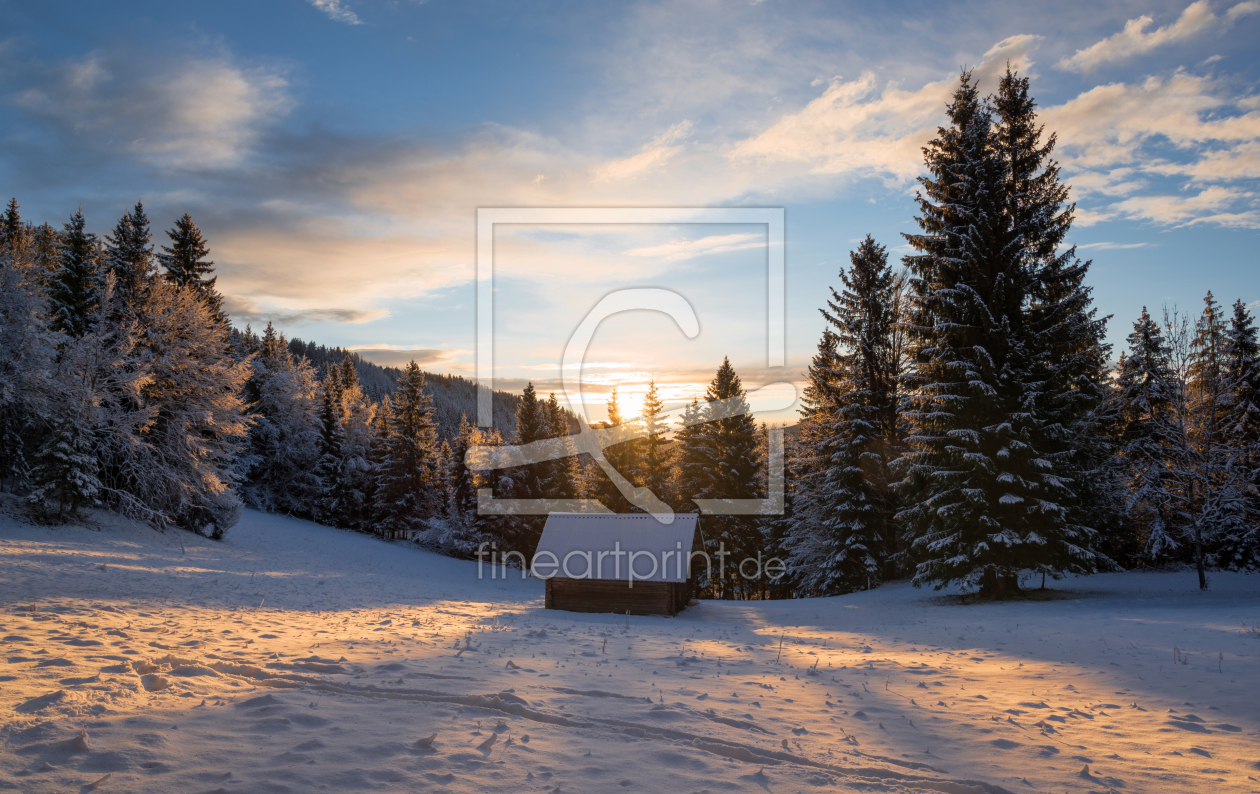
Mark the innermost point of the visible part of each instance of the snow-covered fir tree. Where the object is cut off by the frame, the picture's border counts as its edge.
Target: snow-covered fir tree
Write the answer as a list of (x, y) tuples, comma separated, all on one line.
[(1145, 387), (985, 499), (843, 521), (1240, 547), (76, 284)]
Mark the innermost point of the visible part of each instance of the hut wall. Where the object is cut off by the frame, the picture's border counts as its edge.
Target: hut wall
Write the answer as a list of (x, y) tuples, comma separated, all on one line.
[(610, 595)]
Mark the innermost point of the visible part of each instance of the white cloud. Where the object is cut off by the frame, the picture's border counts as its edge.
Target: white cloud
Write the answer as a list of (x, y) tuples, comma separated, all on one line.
[(206, 113), (1113, 246), (859, 127), (1134, 39), (1202, 207), (1116, 139), (336, 11), (653, 156), (676, 250)]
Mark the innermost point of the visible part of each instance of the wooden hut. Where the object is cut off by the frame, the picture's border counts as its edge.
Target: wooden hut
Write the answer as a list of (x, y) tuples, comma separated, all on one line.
[(618, 563)]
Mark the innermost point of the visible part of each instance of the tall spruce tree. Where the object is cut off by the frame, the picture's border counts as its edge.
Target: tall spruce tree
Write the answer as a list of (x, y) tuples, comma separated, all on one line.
[(843, 523), (186, 264), (76, 283), (1069, 359), (1241, 548), (726, 465), (986, 497), (12, 232), (332, 504), (650, 458), (406, 480), (1146, 393), (129, 256)]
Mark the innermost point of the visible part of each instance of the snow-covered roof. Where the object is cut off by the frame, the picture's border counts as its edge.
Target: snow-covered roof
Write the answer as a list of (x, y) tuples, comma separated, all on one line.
[(611, 543)]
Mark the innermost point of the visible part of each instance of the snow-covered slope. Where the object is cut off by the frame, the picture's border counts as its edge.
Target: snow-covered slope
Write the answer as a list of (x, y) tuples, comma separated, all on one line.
[(293, 657)]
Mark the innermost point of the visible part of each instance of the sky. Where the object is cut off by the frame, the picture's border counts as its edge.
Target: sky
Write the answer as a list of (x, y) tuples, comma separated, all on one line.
[(335, 152)]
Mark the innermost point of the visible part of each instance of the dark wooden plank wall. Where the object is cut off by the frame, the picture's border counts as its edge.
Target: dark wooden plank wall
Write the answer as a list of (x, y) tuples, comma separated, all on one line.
[(608, 595)]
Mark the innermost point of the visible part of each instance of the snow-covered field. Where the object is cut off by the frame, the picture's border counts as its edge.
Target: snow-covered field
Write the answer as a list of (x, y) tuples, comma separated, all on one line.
[(293, 657)]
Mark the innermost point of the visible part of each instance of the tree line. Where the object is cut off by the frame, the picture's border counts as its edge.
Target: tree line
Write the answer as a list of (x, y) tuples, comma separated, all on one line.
[(962, 421)]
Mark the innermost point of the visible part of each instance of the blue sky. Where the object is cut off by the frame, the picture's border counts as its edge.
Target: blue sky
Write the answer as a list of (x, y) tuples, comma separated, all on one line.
[(335, 152)]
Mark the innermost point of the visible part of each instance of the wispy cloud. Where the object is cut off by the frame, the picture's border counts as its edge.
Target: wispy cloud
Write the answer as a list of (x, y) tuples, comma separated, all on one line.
[(1112, 246), (654, 155), (337, 11), (198, 114), (676, 250), (860, 127), (1116, 138), (245, 310), (1135, 40)]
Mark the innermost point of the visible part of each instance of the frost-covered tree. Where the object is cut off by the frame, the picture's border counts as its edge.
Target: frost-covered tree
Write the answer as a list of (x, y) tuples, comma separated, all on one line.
[(1146, 392), (1240, 546), (284, 440), (76, 283), (26, 356), (183, 471), (94, 394), (332, 502), (1184, 483)]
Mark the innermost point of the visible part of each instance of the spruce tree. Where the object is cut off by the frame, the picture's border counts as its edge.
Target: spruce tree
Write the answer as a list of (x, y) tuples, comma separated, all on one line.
[(406, 479), (284, 452), (129, 256), (844, 516), (12, 232), (651, 456), (65, 472), (332, 504), (186, 265), (986, 500), (75, 286), (689, 471), (1146, 393), (45, 251), (729, 466), (620, 456), (1068, 357), (1241, 548)]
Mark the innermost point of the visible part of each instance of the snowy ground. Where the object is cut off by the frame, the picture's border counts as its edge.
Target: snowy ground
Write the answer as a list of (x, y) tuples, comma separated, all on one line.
[(294, 657)]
